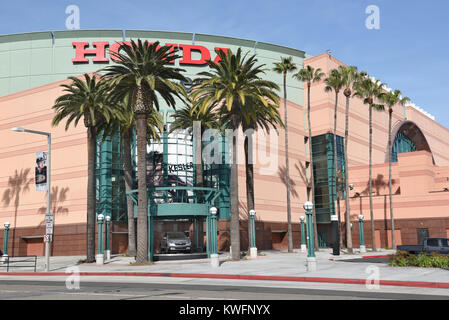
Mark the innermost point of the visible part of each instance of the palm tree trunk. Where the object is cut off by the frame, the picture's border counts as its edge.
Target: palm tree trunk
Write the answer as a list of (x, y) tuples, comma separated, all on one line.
[(197, 137), (128, 173), (335, 154), (91, 214), (373, 236), (390, 186), (234, 193), (312, 177), (142, 213), (348, 213), (249, 168), (287, 171)]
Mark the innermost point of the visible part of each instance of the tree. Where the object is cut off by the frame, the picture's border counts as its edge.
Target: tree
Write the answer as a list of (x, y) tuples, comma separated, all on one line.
[(335, 83), (311, 75), (124, 123), (259, 117), (88, 100), (143, 73), (370, 91), (285, 66), (349, 78), (391, 99), (231, 83)]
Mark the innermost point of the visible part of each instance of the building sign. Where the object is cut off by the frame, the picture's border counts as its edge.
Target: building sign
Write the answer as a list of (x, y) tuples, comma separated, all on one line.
[(41, 171), (179, 167), (97, 52)]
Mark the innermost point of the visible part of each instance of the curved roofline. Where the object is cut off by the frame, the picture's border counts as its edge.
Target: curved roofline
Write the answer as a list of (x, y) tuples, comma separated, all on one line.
[(397, 129), (255, 42)]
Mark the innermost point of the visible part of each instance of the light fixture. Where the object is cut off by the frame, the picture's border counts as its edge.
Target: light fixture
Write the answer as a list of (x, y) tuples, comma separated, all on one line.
[(252, 212), (18, 129), (213, 211), (308, 206)]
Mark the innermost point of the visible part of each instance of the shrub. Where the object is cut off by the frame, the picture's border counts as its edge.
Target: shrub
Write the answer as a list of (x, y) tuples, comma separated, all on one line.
[(405, 259)]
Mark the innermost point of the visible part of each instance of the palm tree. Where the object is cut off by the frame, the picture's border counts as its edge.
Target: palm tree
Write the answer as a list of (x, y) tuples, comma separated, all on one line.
[(370, 91), (391, 99), (143, 73), (349, 77), (335, 83), (311, 75), (287, 65), (124, 123), (262, 117), (233, 82), (88, 100)]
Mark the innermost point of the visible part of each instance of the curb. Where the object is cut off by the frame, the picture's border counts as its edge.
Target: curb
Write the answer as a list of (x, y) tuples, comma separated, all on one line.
[(436, 285)]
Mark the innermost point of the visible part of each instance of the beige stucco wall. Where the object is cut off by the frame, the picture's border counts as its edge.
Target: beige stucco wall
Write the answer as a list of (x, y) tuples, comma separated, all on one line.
[(31, 109)]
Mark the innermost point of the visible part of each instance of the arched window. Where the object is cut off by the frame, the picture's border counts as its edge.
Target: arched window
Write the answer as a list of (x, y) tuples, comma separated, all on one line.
[(402, 144)]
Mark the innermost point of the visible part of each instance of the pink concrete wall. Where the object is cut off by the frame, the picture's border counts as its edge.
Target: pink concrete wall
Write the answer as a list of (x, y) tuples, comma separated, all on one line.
[(420, 195), (31, 109)]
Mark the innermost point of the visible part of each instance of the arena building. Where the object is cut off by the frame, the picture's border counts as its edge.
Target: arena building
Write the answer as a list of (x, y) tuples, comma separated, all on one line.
[(34, 66)]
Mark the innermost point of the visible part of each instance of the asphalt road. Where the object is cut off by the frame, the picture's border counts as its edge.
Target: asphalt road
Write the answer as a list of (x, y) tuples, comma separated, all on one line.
[(51, 290)]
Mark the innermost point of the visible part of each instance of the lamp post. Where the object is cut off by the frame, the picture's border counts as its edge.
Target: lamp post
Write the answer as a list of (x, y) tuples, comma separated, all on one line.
[(362, 235), (107, 237), (303, 235), (5, 241), (48, 216), (311, 259), (253, 248), (214, 261), (336, 235), (100, 255)]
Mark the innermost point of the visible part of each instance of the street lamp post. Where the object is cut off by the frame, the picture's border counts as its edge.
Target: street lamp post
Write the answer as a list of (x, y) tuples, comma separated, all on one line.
[(253, 248), (336, 235), (100, 255), (214, 261), (303, 235), (107, 237), (48, 216), (362, 235), (311, 259), (5, 241)]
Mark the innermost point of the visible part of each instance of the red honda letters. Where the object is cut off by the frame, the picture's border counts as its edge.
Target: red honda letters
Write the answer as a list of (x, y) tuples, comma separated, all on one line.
[(98, 52)]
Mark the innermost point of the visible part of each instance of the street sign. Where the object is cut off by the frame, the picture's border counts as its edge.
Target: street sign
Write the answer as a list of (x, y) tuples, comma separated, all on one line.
[(49, 228), (47, 238), (49, 218)]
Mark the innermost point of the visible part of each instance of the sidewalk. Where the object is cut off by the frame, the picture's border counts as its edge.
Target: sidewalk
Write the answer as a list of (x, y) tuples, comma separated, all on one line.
[(273, 265)]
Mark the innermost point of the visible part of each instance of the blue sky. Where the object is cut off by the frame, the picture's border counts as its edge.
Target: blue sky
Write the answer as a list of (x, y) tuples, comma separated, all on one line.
[(410, 52)]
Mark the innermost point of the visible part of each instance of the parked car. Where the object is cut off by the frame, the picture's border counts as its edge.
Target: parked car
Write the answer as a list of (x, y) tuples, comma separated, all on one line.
[(175, 242), (430, 245)]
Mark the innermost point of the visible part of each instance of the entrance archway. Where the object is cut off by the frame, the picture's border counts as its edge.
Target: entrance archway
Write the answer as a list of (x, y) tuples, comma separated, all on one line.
[(182, 204)]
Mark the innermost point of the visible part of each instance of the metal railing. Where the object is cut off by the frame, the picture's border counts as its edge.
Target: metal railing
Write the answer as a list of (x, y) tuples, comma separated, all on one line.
[(19, 262)]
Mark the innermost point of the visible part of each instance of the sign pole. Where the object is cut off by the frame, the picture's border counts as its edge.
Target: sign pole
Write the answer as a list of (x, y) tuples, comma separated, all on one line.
[(47, 243)]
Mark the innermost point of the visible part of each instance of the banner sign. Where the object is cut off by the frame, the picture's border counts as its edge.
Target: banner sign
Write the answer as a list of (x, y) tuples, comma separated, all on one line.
[(41, 171)]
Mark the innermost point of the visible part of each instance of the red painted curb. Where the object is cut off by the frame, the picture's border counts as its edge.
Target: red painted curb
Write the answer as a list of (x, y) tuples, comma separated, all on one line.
[(439, 285)]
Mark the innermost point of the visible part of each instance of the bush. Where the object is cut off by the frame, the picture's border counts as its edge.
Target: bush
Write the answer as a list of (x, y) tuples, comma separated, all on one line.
[(405, 259)]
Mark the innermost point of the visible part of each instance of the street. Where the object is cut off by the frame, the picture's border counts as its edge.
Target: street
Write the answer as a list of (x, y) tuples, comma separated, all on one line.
[(192, 290)]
